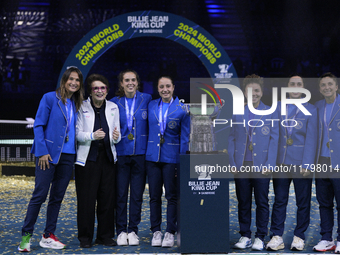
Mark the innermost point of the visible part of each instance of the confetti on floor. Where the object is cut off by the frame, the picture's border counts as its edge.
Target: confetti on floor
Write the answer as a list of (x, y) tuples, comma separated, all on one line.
[(15, 192)]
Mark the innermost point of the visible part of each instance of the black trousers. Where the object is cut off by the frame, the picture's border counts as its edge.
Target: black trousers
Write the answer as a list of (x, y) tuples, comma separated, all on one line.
[(95, 183)]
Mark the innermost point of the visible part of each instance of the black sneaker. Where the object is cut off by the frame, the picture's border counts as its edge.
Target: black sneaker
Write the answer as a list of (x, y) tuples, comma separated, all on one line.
[(108, 242), (85, 245)]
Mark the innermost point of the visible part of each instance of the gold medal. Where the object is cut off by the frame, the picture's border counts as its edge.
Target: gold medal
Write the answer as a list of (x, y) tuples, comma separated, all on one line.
[(130, 136), (66, 139), (327, 145), (162, 140), (250, 147), (290, 141)]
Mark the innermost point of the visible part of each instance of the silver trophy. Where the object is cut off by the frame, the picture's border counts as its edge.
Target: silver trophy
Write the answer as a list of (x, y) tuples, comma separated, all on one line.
[(202, 136)]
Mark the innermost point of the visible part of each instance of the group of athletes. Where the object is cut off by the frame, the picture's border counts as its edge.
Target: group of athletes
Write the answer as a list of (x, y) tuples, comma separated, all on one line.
[(114, 145), (310, 145)]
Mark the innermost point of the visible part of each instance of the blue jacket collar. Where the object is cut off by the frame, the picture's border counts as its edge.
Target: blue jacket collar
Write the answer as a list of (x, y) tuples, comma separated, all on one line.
[(173, 107), (335, 111), (139, 100)]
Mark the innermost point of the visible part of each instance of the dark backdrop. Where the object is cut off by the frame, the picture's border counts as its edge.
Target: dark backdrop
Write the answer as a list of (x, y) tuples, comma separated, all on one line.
[(270, 38)]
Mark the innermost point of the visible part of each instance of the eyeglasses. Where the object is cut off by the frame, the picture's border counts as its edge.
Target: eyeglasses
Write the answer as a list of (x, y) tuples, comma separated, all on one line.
[(96, 89)]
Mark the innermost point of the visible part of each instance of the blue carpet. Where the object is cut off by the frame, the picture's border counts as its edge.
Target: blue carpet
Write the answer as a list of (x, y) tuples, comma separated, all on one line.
[(16, 192)]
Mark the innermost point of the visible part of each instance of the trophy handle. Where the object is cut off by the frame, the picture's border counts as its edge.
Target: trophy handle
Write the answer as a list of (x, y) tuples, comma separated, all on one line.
[(184, 106), (223, 103), (217, 109)]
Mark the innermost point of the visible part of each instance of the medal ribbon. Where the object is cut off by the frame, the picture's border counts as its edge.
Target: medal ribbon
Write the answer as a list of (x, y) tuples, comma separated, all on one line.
[(330, 116), (290, 128), (250, 129), (162, 121), (129, 113), (69, 116), (324, 113)]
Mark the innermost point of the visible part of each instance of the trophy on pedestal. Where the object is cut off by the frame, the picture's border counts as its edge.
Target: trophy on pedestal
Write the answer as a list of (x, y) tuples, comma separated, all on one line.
[(202, 137)]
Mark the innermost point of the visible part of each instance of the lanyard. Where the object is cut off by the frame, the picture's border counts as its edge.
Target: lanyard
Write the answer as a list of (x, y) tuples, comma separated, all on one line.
[(325, 112), (129, 113), (290, 128), (162, 120), (69, 115), (250, 129)]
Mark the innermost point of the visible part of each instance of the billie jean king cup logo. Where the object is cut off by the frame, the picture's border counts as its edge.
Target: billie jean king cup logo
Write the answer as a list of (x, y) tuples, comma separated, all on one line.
[(202, 137), (203, 171)]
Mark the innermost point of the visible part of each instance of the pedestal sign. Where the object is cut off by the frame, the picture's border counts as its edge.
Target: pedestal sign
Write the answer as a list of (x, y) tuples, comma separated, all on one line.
[(203, 219)]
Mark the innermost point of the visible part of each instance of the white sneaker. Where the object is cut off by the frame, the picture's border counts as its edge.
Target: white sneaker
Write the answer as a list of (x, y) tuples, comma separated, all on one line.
[(122, 239), (258, 244), (337, 249), (243, 243), (324, 245), (157, 239), (298, 244), (168, 241), (276, 243), (133, 238), (51, 242)]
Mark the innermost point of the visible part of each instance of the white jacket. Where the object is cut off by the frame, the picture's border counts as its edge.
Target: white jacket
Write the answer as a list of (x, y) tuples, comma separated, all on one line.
[(84, 129)]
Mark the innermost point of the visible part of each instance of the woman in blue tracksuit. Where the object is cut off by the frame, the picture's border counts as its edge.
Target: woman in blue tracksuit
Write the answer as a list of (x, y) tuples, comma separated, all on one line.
[(169, 129), (54, 148), (328, 180), (297, 151), (133, 111), (253, 144)]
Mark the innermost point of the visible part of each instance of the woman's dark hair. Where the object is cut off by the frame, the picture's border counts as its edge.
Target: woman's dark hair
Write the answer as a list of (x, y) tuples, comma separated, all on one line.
[(96, 77), (298, 75), (330, 75), (253, 78), (165, 76), (120, 92), (77, 96)]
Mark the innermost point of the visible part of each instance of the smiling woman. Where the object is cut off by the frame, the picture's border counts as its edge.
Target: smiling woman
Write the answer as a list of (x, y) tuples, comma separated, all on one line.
[(166, 89), (98, 130), (252, 146), (54, 149), (131, 173), (169, 130), (327, 182)]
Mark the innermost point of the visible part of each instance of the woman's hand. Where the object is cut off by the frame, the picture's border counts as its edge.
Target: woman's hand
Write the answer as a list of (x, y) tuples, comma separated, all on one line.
[(115, 134), (44, 161), (304, 172), (266, 171), (99, 134), (233, 170)]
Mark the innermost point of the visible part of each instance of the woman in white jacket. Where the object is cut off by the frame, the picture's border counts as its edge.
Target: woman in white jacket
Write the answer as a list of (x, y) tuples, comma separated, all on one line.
[(97, 133)]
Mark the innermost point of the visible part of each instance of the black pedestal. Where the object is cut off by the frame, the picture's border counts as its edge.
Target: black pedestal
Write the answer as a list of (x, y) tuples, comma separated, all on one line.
[(203, 219)]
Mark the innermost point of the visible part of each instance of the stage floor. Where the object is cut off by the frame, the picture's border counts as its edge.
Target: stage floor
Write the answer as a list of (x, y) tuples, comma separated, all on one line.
[(16, 191)]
